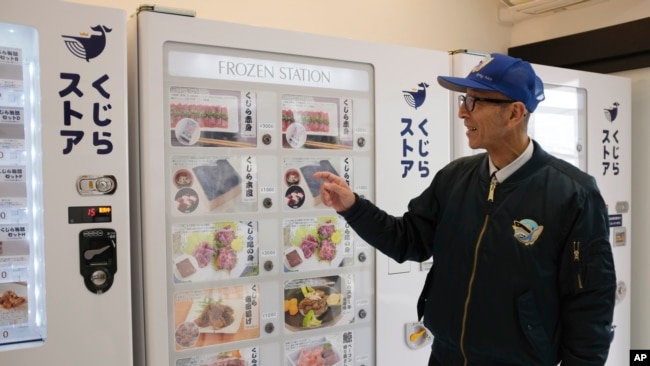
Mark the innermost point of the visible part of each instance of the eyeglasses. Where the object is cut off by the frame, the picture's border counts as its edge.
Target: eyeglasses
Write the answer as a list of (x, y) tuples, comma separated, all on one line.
[(469, 101)]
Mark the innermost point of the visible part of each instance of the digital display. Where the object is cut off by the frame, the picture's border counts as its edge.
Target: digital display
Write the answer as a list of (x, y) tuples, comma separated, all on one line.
[(89, 214)]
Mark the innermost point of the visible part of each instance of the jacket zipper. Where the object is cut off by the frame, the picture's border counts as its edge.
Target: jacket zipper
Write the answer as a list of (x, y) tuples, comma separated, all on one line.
[(493, 185), (576, 258)]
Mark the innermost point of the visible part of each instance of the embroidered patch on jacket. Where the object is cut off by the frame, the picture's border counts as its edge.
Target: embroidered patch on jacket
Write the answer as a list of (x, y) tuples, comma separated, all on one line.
[(527, 231)]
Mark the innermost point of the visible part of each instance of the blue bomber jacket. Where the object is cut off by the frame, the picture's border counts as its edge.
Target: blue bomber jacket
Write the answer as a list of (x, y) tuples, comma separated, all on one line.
[(522, 273)]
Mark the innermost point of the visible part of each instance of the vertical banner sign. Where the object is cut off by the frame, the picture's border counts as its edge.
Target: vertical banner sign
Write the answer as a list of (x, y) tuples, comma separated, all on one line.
[(611, 143), (414, 136), (86, 98)]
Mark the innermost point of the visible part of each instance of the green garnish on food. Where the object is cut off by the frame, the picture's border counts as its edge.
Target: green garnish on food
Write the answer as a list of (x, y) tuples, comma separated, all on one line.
[(306, 290), (310, 320)]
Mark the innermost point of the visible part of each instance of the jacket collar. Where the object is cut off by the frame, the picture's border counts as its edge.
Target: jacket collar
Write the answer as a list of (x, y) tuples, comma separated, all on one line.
[(520, 171), (503, 173)]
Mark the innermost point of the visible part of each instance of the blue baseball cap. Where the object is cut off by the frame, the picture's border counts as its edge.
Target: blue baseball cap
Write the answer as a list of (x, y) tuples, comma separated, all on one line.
[(507, 75)]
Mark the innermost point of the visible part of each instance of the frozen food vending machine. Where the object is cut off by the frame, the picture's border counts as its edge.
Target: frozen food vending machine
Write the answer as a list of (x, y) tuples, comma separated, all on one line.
[(586, 120), (242, 264), (64, 221)]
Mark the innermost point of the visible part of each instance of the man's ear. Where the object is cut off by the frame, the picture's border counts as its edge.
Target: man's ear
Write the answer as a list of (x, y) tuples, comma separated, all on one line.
[(518, 111)]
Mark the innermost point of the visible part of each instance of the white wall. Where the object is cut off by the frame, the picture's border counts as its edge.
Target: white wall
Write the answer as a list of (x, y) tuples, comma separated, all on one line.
[(433, 24)]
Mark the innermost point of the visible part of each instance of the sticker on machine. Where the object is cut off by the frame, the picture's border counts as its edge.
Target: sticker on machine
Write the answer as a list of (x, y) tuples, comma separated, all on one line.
[(212, 117), (17, 231), (13, 174), (318, 302), (216, 316), (316, 243), (12, 115), (207, 184), (336, 349), (214, 251)]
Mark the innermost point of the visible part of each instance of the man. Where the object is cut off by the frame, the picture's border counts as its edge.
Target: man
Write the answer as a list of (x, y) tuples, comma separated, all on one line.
[(522, 271)]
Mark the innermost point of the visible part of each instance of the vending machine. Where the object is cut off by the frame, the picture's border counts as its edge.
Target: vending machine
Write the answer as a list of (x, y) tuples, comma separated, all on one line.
[(586, 120), (242, 264), (65, 284)]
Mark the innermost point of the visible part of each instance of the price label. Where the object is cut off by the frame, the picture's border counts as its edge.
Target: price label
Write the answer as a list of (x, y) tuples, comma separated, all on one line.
[(267, 253), (12, 152), (9, 273), (12, 215), (269, 315)]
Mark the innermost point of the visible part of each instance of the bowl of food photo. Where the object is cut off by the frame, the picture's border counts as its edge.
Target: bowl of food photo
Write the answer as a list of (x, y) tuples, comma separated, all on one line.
[(317, 306), (292, 177), (183, 178), (187, 334)]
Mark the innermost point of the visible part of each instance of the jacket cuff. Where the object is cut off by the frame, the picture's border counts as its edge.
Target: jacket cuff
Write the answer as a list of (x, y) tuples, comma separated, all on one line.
[(353, 213)]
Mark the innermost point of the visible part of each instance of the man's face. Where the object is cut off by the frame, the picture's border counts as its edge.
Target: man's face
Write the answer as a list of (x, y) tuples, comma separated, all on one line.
[(486, 123)]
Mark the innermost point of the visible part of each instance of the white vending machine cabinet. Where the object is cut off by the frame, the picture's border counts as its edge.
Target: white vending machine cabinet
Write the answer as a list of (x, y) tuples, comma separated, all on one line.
[(230, 122), (586, 119), (65, 284)]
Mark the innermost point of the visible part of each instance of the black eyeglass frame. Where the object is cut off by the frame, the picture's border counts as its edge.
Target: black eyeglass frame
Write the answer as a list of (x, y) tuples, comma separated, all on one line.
[(468, 100)]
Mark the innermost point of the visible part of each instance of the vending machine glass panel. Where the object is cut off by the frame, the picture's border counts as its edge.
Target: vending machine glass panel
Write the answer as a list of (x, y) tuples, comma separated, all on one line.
[(22, 293)]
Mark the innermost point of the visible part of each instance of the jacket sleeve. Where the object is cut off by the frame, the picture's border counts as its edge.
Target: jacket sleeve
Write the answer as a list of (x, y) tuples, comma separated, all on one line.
[(588, 285), (409, 237)]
